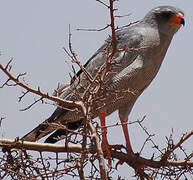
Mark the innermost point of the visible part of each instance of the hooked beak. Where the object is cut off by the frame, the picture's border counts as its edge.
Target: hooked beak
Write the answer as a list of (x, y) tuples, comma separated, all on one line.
[(178, 19), (182, 21)]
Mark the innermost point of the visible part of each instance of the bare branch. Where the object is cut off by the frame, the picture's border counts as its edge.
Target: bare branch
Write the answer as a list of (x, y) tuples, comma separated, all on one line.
[(102, 3), (83, 147), (98, 30), (177, 145), (134, 161), (149, 135), (121, 16), (114, 38), (38, 92), (74, 58), (99, 152), (29, 106)]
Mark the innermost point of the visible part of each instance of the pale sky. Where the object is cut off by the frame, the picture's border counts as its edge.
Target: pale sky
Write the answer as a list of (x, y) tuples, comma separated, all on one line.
[(34, 32)]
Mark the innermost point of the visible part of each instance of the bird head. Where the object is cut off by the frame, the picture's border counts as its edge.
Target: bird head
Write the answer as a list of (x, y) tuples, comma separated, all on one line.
[(168, 19)]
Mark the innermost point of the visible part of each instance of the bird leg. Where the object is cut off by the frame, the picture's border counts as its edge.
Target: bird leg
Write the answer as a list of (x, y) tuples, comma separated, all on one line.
[(126, 134), (105, 144)]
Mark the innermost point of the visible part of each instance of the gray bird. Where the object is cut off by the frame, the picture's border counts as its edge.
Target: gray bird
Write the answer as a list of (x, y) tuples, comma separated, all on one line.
[(141, 50)]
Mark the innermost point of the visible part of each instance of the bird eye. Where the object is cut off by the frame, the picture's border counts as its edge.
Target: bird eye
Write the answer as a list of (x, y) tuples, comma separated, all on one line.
[(167, 15)]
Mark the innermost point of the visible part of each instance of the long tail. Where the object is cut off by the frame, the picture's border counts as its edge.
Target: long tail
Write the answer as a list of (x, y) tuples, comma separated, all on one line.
[(60, 134), (43, 129)]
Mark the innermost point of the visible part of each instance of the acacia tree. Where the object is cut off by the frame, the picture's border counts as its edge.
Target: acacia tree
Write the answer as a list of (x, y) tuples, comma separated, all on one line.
[(81, 155)]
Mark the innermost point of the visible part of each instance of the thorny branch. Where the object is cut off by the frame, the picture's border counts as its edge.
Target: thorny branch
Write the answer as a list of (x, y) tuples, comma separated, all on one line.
[(84, 146), (17, 81), (74, 58), (100, 29), (130, 160), (133, 161), (149, 135), (114, 38), (92, 80), (79, 104), (177, 145)]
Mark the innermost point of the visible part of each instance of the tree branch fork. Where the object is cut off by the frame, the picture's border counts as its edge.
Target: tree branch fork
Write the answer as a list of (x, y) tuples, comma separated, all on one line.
[(132, 161), (136, 161)]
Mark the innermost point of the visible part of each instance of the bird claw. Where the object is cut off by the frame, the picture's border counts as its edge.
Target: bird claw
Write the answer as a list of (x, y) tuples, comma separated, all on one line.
[(120, 162)]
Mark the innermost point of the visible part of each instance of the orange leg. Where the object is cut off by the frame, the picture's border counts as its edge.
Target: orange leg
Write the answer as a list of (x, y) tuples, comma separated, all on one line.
[(126, 134), (105, 144)]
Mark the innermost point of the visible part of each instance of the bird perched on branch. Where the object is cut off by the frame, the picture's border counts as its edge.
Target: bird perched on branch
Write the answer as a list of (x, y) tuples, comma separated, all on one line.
[(141, 49)]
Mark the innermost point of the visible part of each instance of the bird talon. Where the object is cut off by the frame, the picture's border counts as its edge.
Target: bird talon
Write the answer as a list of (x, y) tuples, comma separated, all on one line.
[(120, 162)]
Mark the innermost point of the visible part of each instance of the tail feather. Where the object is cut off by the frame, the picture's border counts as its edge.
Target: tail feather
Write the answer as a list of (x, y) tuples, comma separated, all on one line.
[(56, 136), (60, 133), (38, 132), (44, 128)]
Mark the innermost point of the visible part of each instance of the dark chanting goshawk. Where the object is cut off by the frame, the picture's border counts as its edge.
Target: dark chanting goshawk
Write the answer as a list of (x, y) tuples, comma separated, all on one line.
[(141, 50)]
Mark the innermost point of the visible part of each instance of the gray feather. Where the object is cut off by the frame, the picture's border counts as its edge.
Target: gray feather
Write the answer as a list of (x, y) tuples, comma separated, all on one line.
[(142, 48)]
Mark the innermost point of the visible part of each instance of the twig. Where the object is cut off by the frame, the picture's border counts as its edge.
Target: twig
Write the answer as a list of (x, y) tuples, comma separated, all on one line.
[(178, 144), (74, 58), (149, 135), (76, 104), (180, 174), (44, 167), (102, 3), (93, 30), (29, 106), (80, 168), (125, 15), (114, 38), (133, 161), (99, 152)]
